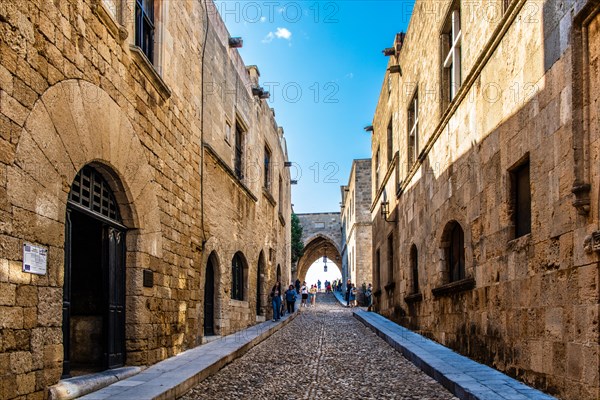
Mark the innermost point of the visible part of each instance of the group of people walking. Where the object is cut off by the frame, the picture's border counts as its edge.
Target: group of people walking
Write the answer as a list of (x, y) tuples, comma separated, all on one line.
[(309, 296)]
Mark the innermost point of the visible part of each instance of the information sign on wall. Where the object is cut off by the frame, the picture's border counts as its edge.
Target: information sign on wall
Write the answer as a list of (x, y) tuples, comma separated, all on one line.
[(35, 259)]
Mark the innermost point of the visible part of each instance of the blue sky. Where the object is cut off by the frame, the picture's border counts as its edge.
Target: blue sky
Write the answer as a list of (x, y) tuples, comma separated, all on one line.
[(322, 63)]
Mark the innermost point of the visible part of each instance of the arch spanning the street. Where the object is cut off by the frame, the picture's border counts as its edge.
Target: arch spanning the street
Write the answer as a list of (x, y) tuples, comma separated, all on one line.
[(315, 248), (321, 234)]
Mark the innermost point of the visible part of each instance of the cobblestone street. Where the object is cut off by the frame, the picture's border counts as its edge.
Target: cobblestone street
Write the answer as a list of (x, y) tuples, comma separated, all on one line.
[(325, 353)]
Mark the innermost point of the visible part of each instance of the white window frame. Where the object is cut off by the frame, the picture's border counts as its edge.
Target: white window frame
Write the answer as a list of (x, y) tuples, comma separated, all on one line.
[(413, 130), (452, 60)]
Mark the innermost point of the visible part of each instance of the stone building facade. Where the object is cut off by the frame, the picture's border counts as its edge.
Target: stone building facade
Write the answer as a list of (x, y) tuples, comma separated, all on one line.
[(356, 224), (485, 162), (118, 167)]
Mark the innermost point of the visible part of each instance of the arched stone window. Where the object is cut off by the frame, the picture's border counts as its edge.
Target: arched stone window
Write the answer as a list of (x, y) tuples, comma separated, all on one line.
[(455, 251), (237, 276), (414, 266)]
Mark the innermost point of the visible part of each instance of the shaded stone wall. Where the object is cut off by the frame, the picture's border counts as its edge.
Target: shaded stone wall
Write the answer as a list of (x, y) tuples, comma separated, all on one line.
[(73, 91), (356, 222), (529, 306)]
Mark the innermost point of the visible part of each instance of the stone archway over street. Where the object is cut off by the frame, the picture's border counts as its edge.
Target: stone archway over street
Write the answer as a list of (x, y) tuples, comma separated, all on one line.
[(322, 236)]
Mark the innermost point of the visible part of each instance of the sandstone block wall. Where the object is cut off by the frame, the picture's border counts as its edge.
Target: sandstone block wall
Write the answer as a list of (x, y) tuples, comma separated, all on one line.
[(533, 310), (73, 91), (356, 224)]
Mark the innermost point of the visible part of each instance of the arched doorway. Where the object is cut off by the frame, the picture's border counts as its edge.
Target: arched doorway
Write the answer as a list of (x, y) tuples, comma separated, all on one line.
[(94, 284), (209, 298), (260, 271)]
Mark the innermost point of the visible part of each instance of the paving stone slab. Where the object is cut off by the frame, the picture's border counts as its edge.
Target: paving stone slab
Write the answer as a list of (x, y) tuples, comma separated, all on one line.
[(465, 378), (171, 378)]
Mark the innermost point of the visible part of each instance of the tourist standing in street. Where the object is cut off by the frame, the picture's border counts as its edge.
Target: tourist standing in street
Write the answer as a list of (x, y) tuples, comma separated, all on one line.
[(369, 297), (304, 293), (348, 288), (319, 285), (298, 286), (313, 296), (352, 296), (290, 299), (276, 301)]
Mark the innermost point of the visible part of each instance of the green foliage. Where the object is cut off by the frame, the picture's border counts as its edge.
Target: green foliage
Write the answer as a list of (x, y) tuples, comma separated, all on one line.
[(297, 244)]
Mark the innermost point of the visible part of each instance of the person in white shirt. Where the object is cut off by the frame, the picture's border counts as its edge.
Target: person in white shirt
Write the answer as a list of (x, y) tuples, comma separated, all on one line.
[(304, 292)]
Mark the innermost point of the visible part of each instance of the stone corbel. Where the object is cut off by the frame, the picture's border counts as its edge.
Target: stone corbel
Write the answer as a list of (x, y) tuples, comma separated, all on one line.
[(582, 198), (591, 242)]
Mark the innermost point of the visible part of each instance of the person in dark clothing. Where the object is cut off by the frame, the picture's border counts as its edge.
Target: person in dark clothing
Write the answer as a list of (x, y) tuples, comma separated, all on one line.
[(348, 288), (297, 286), (290, 299), (276, 301)]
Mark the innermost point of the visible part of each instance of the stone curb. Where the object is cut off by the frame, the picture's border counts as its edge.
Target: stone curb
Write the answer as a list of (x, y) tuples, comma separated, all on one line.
[(73, 388), (173, 377), (463, 377)]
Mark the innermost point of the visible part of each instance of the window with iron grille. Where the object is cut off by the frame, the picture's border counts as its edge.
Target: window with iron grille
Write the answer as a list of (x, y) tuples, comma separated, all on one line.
[(144, 27), (521, 199), (413, 131), (239, 152), (237, 277), (451, 53), (91, 192)]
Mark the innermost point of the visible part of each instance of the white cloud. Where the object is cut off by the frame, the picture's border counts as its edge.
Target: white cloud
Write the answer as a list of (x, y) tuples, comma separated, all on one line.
[(280, 33), (269, 38), (283, 33)]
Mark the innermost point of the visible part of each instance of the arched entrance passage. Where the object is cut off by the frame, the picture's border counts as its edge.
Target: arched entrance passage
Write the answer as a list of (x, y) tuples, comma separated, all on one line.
[(260, 283), (94, 284), (315, 248)]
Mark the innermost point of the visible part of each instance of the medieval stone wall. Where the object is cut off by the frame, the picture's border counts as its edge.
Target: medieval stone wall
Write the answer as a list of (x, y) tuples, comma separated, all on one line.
[(75, 91), (356, 222), (529, 305)]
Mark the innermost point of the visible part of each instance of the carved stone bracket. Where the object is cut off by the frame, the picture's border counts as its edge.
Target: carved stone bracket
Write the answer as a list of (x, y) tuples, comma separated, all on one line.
[(582, 198), (592, 242)]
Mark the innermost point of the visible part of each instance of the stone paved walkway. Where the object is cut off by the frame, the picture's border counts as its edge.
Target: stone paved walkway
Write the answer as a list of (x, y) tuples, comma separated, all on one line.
[(325, 353)]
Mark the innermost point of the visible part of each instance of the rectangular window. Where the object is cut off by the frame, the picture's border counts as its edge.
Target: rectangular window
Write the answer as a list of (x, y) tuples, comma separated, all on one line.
[(267, 176), (144, 27), (239, 152), (113, 7), (521, 199), (451, 51), (280, 194), (377, 276), (391, 258), (377, 169), (390, 142), (227, 132), (413, 131)]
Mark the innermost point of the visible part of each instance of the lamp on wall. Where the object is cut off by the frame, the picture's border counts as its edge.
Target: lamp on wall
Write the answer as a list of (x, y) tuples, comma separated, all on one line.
[(325, 260), (385, 211)]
